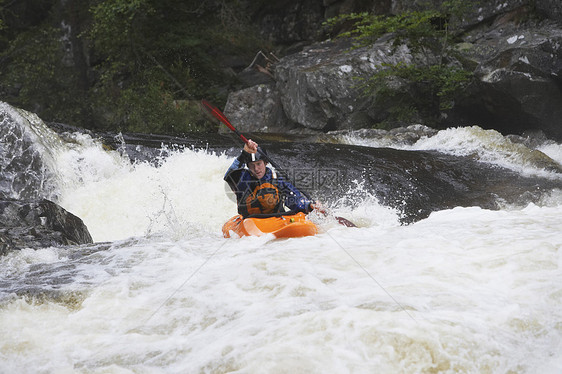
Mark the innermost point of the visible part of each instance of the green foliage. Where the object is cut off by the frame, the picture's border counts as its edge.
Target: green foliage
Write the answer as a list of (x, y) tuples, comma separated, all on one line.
[(34, 60), (157, 53), (433, 79), (148, 62), (413, 27), (2, 14), (113, 26), (145, 106)]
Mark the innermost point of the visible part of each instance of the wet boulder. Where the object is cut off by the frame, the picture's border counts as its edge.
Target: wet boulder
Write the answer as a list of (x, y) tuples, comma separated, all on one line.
[(38, 224), (320, 86), (517, 76)]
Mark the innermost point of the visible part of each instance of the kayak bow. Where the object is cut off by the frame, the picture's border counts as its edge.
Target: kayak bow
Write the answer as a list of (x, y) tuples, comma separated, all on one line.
[(282, 226)]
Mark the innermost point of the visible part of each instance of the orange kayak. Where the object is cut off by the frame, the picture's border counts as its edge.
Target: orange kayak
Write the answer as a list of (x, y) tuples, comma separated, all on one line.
[(287, 226)]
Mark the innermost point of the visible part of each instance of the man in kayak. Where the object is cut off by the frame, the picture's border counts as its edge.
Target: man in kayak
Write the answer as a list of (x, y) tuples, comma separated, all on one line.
[(258, 189)]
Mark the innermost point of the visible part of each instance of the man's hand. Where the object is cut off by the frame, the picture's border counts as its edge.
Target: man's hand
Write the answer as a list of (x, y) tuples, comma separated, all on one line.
[(317, 205), (251, 146)]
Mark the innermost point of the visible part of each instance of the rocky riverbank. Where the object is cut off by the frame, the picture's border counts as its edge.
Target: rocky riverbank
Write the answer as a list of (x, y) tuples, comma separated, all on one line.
[(514, 48)]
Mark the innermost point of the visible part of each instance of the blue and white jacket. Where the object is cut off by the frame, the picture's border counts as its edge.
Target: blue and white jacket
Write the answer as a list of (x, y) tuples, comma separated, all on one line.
[(267, 195)]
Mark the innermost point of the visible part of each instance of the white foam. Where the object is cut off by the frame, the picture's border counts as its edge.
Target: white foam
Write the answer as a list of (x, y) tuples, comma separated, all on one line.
[(552, 150), (466, 290), (487, 146), (118, 200)]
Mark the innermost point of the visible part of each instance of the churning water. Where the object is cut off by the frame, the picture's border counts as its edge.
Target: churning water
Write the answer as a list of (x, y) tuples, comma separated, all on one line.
[(466, 290)]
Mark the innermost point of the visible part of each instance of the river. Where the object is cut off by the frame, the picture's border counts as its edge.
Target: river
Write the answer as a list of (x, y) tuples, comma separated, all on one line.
[(463, 289)]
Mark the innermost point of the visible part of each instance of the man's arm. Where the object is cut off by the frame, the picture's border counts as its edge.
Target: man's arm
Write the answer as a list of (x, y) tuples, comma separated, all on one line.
[(236, 164), (294, 199)]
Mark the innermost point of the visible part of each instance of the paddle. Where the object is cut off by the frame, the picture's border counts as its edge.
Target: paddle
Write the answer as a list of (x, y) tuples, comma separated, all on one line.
[(221, 117)]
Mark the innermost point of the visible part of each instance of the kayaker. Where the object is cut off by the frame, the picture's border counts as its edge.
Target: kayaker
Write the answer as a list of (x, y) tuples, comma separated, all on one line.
[(259, 190)]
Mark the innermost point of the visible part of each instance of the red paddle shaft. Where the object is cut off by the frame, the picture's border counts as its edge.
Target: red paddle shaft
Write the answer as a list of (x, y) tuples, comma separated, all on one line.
[(221, 117)]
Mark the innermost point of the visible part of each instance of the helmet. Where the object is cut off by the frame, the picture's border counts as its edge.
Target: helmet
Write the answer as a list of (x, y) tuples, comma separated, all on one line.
[(261, 154)]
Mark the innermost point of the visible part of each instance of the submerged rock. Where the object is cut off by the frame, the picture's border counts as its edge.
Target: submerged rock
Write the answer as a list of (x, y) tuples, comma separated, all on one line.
[(38, 224), (414, 183)]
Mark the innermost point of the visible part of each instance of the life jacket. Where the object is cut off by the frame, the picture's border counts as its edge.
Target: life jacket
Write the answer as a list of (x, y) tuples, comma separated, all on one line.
[(263, 199), (255, 196)]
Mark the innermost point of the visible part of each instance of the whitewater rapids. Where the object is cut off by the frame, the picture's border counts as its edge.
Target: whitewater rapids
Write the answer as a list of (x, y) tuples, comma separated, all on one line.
[(466, 290)]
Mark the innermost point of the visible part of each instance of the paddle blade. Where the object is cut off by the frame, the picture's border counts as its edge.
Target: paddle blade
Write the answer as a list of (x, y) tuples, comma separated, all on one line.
[(342, 221), (216, 113), (221, 117), (345, 222)]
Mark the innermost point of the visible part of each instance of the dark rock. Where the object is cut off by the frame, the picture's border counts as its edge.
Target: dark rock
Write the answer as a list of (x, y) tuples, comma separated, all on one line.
[(289, 23), (551, 9), (519, 86), (27, 218), (485, 12), (38, 224), (337, 7)]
